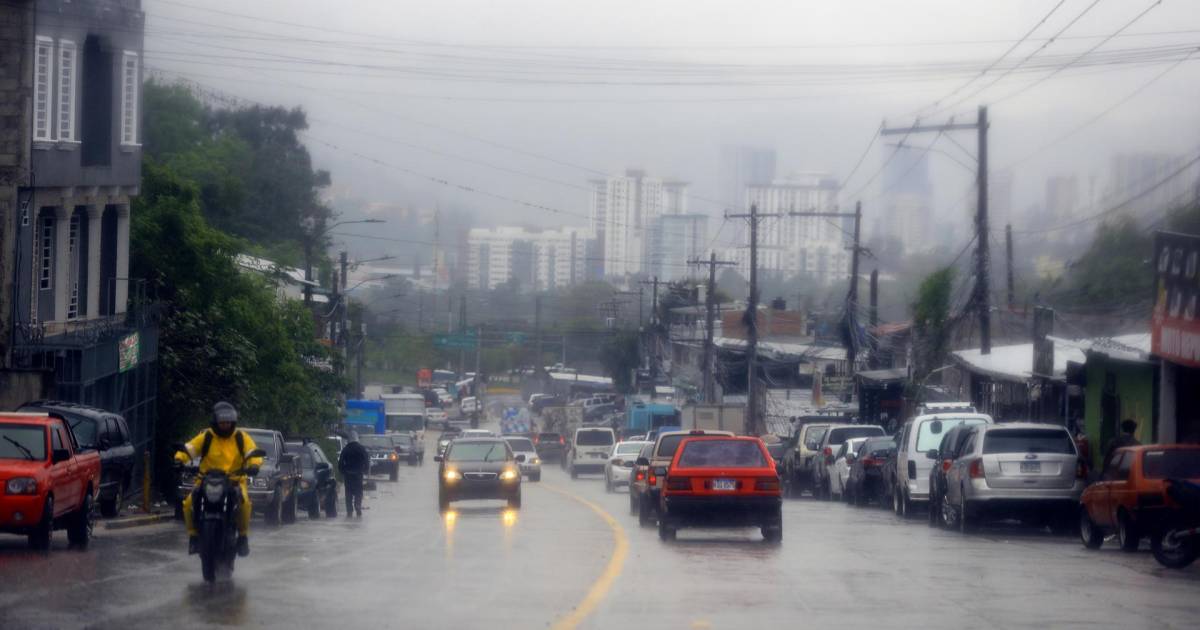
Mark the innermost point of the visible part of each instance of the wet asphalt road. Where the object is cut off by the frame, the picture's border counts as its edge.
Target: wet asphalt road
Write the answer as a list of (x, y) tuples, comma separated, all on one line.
[(573, 556)]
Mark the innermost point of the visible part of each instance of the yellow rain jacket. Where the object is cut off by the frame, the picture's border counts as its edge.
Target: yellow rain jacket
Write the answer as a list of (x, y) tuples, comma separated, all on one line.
[(223, 454)]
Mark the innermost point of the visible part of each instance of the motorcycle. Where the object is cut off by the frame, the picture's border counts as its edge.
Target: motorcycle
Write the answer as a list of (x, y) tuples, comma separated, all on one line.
[(215, 504), (1178, 545)]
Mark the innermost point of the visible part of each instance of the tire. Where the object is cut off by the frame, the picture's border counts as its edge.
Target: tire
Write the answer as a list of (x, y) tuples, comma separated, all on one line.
[(773, 533), (574, 473), (935, 511), (633, 504), (288, 516), (274, 508), (903, 504), (210, 547), (111, 508), (514, 502), (966, 524), (895, 501), (535, 477), (1127, 533), (314, 507), (331, 504), (666, 530), (395, 474), (79, 529), (1089, 533), (1174, 556), (39, 538), (443, 501), (645, 517), (859, 497)]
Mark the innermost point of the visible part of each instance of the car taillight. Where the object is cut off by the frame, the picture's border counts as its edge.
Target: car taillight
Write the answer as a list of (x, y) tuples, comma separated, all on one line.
[(653, 480), (1081, 470), (562, 440), (912, 469), (946, 464), (871, 461), (767, 484), (536, 439), (640, 476), (827, 452), (976, 469), (679, 483)]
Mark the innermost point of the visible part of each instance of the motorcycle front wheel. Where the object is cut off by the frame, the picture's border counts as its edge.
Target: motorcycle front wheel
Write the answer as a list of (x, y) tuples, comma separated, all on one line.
[(1174, 553), (210, 549)]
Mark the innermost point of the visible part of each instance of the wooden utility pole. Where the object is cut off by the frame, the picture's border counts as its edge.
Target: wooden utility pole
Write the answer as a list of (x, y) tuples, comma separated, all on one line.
[(874, 312), (652, 337), (753, 422), (1008, 254), (981, 301), (709, 302)]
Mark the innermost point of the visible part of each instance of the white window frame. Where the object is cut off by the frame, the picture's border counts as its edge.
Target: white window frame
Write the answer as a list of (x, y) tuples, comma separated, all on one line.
[(43, 89), (68, 81), (46, 229), (130, 89)]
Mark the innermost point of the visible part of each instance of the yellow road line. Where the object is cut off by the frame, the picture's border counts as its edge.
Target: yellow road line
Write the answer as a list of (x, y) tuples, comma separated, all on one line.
[(601, 586)]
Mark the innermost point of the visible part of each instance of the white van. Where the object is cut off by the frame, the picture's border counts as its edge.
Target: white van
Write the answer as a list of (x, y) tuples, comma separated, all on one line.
[(919, 436), (589, 450)]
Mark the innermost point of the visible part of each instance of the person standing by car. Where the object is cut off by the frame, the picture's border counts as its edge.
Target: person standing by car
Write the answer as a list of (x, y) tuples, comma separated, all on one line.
[(1128, 428), (354, 464)]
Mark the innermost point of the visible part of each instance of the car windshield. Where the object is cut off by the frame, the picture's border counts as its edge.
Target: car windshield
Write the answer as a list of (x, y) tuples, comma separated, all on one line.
[(18, 441), (521, 444), (376, 441), (877, 445), (1171, 464), (839, 435), (722, 453), (594, 438), (628, 448), (930, 432), (401, 439), (490, 451), (549, 437), (266, 441), (1028, 441), (405, 422)]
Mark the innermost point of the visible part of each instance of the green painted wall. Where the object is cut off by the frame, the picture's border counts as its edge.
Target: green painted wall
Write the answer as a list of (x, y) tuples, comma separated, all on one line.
[(1132, 397)]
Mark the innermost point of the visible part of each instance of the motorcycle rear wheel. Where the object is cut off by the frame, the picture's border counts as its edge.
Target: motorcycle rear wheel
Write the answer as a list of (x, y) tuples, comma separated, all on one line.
[(1174, 556)]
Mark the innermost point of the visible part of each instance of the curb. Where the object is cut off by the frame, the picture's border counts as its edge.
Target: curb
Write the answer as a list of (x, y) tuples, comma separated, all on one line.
[(138, 521)]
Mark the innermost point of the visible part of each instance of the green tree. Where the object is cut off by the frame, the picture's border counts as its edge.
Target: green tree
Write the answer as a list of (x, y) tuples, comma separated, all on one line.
[(932, 322), (619, 356)]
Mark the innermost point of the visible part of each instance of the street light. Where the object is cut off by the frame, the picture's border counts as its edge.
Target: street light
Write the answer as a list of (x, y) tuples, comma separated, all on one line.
[(309, 224)]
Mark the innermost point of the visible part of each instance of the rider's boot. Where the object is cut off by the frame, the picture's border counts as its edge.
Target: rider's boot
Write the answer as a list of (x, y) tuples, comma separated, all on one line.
[(243, 546)]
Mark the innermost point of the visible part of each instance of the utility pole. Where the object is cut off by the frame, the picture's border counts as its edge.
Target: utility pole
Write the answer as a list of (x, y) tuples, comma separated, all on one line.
[(343, 338), (981, 300), (1008, 250), (874, 313), (420, 311), (709, 303), (462, 329), (537, 331), (753, 423)]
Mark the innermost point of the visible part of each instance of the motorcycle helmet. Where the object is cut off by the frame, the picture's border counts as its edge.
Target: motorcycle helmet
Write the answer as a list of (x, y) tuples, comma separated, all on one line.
[(223, 413)]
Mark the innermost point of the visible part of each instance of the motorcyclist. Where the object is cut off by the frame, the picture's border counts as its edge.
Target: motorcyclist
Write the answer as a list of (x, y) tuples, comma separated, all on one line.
[(222, 447), (354, 463)]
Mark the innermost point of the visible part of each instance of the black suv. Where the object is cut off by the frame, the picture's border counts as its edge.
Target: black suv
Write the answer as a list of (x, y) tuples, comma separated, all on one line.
[(104, 431), (318, 485)]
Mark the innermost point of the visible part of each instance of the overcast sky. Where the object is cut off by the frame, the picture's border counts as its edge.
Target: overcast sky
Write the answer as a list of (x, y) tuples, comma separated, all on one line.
[(560, 91)]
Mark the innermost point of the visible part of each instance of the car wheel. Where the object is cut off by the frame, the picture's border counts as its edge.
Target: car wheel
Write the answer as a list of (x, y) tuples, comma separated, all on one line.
[(111, 508), (274, 508), (574, 473), (395, 474), (633, 506), (1127, 534), (79, 530), (666, 530), (331, 504), (903, 503), (645, 514), (514, 502), (1089, 533), (537, 476), (966, 523), (443, 501), (859, 497), (608, 486), (314, 507), (39, 538), (935, 511), (289, 508)]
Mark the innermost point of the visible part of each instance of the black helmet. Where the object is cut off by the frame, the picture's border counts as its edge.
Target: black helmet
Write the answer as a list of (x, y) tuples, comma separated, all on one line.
[(224, 412)]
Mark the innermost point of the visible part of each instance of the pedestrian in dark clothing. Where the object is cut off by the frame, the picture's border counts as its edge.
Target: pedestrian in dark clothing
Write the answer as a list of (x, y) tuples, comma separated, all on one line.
[(354, 463), (1128, 428)]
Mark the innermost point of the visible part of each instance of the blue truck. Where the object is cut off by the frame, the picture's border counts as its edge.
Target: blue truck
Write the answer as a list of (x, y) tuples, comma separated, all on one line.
[(365, 416), (643, 417)]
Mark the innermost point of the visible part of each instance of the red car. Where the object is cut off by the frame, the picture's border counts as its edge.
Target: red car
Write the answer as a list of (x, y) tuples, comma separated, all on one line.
[(46, 482), (721, 481)]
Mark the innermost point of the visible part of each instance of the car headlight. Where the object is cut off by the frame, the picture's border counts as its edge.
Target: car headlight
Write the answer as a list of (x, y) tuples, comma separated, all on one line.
[(535, 461), (509, 475), (21, 485), (393, 456), (452, 475)]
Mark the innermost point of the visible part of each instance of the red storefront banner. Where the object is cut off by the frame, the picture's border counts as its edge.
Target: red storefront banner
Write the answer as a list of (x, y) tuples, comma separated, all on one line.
[(1175, 322)]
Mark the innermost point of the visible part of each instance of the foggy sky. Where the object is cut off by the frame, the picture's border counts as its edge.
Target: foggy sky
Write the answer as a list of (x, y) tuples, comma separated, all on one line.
[(605, 128)]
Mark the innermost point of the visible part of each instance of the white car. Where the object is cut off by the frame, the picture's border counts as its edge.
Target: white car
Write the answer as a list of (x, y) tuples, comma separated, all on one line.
[(589, 450), (476, 433), (436, 417), (521, 445), (919, 436), (620, 463), (839, 470)]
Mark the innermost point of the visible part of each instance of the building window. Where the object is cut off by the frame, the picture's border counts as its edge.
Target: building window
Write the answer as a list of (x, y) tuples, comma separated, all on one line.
[(129, 98), (43, 76), (73, 250), (67, 61), (46, 253)]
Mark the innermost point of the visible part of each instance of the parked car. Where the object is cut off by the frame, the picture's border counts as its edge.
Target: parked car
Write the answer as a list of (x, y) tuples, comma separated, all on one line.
[(273, 491), (385, 459), (49, 482), (864, 481), (947, 451), (408, 448), (799, 458), (436, 417), (838, 470), (1020, 470), (550, 446), (918, 438), (522, 445), (620, 463), (646, 488), (776, 449), (105, 432), (448, 434), (720, 482), (479, 468), (638, 476), (830, 439), (318, 484), (1131, 497), (589, 450)]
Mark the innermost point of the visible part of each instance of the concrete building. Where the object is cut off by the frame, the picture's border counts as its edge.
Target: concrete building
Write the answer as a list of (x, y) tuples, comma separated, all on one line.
[(624, 217), (798, 245), (1062, 199), (1132, 173), (907, 212), (537, 260), (680, 238), (74, 325), (742, 167)]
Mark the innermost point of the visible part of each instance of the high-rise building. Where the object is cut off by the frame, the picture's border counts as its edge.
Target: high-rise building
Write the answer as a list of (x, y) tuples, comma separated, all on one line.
[(1132, 173), (1062, 198), (680, 238), (907, 211), (799, 245), (625, 211), (742, 167), (537, 260)]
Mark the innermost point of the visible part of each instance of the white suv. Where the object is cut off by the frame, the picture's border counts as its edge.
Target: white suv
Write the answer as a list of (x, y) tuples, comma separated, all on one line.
[(919, 436), (589, 450)]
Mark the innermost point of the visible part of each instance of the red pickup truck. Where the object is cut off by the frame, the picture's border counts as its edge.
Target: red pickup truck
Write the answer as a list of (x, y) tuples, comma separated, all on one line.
[(46, 482)]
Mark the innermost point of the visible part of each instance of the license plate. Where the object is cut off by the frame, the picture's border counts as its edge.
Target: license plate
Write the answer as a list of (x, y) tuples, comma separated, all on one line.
[(724, 484), (1031, 467)]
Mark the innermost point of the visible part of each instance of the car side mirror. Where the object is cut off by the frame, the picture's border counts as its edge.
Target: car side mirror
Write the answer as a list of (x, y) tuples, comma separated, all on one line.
[(258, 452), (438, 458), (60, 455), (642, 461), (931, 453), (521, 458)]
